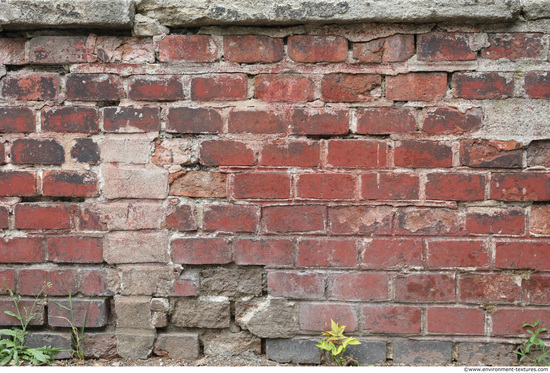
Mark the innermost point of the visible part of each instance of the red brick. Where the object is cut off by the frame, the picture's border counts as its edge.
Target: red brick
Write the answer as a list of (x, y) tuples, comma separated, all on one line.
[(360, 286), (192, 48), (201, 250), (85, 150), (495, 220), (537, 84), (386, 121), (424, 221), (513, 46), (97, 282), (327, 253), (70, 184), (483, 86), (290, 153), (489, 288), (8, 305), (93, 87), (12, 51), (389, 185), (488, 154), (7, 277), (31, 86), (156, 88), (520, 186), (416, 87), (296, 285), (57, 50), (21, 250), (317, 317), (442, 121), (425, 287), (369, 220), (425, 154), (193, 120), (185, 286), (396, 48), (312, 49), (121, 52), (509, 321), (30, 281), (388, 253), (230, 218), (392, 319), (443, 46), (256, 122), (181, 218), (75, 249), (199, 184), (326, 186), (540, 220), (283, 87), (261, 186), (35, 151), (455, 187), (456, 320), (252, 48), (455, 253), (349, 87), (222, 87), (4, 217), (17, 183), (538, 153), (357, 153), (269, 252), (82, 312), (42, 216), (17, 119), (226, 153), (89, 219), (320, 122), (131, 119), (523, 255), (82, 119), (537, 286), (293, 218)]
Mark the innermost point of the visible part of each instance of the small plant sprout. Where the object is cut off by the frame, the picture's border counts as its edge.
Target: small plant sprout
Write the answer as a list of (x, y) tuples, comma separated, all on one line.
[(337, 343), (534, 348), (77, 334)]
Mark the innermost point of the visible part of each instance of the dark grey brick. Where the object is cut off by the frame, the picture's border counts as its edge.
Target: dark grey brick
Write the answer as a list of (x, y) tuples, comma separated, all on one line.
[(368, 352), (486, 354), (422, 352), (57, 340), (298, 351)]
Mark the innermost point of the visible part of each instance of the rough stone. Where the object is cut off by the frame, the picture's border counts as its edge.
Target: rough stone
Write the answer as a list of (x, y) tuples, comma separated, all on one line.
[(268, 317), (232, 282), (535, 9), (178, 345), (227, 342), (145, 26), (125, 149), (99, 345), (133, 312), (136, 247), (134, 182), (202, 312), (130, 215), (148, 280), (199, 184), (135, 344), (298, 351)]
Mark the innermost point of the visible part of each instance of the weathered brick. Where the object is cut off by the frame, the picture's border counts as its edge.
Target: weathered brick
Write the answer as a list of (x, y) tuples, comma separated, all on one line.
[(186, 285), (156, 88), (283, 87), (522, 255), (148, 280), (133, 312), (261, 185), (99, 345), (389, 253), (199, 184), (4, 217), (252, 48), (538, 154), (31, 86), (349, 87), (37, 151), (360, 286), (123, 150), (127, 50), (17, 183), (70, 249), (12, 51), (131, 119), (367, 220), (327, 253), (495, 220), (171, 153), (396, 48), (256, 122), (389, 185), (232, 282), (222, 87), (8, 305), (320, 122), (296, 285), (88, 313), (520, 186), (230, 218), (445, 46), (537, 84), (203, 312), (85, 151), (69, 184), (540, 219), (99, 282), (386, 121), (31, 216), (193, 120), (135, 344), (297, 351), (416, 353), (440, 121), (134, 182), (464, 253), (93, 87), (326, 186), (357, 153), (425, 154), (181, 218), (191, 48), (30, 281), (178, 345), (455, 186), (226, 153), (456, 320), (509, 321), (61, 341), (486, 353), (17, 119), (290, 153), (317, 316), (391, 319), (268, 252), (301, 218), (201, 250), (136, 247), (424, 221), (537, 287), (57, 50), (489, 154), (416, 87), (425, 287), (513, 46), (228, 342), (312, 49), (483, 86), (21, 250), (489, 288)]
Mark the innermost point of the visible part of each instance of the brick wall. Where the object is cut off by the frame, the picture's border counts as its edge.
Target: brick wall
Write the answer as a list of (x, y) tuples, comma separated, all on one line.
[(238, 188)]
